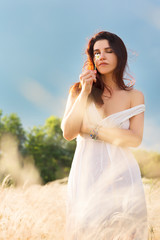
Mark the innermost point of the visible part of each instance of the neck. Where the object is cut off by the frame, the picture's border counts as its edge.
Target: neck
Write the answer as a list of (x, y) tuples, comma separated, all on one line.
[(110, 81)]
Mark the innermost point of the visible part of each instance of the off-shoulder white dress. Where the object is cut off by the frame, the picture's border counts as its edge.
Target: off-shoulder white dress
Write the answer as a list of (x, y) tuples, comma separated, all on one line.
[(105, 198)]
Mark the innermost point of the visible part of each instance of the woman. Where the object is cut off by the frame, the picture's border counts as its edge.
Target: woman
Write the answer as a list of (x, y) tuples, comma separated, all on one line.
[(105, 192)]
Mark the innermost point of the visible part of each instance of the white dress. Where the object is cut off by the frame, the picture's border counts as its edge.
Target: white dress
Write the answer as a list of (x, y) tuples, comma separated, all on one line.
[(106, 198)]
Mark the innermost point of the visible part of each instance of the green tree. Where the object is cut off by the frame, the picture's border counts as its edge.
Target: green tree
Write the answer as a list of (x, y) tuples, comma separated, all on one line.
[(12, 124), (51, 152)]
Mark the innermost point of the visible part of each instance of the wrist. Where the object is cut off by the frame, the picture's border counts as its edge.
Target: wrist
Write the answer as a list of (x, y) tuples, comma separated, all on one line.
[(84, 94), (94, 132)]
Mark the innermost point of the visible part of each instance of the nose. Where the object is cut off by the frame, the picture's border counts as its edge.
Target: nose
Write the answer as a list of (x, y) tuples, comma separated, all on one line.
[(102, 55)]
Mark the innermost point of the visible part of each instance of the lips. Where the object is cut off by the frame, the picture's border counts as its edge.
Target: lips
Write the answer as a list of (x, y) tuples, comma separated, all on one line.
[(103, 63)]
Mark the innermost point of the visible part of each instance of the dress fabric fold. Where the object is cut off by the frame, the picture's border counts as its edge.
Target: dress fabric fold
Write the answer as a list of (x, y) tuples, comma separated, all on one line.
[(105, 195)]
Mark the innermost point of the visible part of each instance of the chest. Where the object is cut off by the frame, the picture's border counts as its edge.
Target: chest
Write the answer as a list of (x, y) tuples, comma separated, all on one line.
[(116, 103)]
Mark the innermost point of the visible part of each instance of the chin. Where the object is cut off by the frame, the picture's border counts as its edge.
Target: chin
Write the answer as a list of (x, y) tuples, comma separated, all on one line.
[(105, 72)]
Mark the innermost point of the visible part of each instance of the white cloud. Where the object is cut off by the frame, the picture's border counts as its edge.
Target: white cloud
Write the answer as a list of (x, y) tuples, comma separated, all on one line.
[(42, 98), (154, 16), (150, 13)]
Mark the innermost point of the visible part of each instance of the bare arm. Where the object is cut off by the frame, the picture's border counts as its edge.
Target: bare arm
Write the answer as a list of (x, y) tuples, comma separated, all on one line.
[(72, 120), (131, 137), (73, 117)]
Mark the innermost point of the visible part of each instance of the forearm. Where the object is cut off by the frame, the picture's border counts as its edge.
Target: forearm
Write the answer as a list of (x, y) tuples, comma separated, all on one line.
[(71, 123), (117, 136)]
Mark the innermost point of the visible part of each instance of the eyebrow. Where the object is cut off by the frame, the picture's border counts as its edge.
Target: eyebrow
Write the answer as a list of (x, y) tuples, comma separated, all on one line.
[(104, 48)]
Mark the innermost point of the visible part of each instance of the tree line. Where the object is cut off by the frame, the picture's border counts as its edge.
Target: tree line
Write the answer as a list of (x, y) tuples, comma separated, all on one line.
[(52, 154)]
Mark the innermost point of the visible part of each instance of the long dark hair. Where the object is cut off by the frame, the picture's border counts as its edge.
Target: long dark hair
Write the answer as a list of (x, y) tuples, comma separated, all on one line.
[(119, 49)]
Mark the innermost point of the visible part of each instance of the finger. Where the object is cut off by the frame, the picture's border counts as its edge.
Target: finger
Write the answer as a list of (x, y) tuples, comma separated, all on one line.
[(88, 83), (87, 72), (93, 77), (84, 74), (89, 75), (88, 79)]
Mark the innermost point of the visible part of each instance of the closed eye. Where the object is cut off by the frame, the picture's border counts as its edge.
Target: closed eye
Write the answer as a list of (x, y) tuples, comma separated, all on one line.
[(109, 50)]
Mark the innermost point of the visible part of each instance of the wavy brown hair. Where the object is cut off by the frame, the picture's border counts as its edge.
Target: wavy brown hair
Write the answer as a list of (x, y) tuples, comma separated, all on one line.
[(119, 49)]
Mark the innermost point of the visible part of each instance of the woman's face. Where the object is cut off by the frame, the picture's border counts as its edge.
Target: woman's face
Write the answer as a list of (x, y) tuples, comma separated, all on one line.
[(104, 58)]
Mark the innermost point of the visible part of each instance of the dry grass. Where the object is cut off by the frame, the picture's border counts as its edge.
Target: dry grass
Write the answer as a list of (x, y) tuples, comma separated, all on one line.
[(38, 212), (152, 193), (35, 212), (31, 211)]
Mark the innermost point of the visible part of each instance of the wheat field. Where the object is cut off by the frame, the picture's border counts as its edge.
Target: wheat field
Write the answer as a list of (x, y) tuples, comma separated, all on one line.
[(37, 212)]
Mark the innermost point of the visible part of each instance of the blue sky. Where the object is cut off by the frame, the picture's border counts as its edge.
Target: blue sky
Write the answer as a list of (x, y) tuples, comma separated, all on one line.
[(42, 47)]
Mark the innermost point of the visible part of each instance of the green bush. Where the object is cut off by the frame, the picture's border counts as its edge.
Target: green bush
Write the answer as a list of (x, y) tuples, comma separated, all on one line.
[(149, 163)]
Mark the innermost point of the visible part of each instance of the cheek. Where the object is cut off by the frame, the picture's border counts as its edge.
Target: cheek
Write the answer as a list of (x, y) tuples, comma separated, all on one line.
[(115, 61)]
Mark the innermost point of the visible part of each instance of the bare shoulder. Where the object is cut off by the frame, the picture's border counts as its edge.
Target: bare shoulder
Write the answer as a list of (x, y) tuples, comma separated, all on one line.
[(136, 97)]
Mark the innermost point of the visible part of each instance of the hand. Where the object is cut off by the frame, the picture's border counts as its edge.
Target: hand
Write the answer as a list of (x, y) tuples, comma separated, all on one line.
[(87, 78)]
